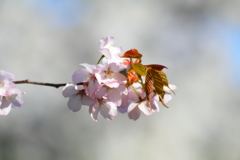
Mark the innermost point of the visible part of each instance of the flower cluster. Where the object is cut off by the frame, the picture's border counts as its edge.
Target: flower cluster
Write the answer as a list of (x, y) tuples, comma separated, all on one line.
[(118, 83), (10, 96)]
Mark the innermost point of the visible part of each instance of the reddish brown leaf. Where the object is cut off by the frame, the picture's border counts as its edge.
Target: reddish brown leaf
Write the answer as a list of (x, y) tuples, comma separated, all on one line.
[(156, 67), (148, 84), (132, 53)]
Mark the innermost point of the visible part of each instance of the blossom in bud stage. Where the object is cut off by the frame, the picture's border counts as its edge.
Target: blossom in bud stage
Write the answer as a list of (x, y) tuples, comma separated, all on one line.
[(118, 84), (10, 96)]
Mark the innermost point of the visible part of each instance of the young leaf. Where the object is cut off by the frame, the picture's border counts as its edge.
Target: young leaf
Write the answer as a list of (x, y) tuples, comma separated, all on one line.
[(139, 69), (156, 67), (132, 53)]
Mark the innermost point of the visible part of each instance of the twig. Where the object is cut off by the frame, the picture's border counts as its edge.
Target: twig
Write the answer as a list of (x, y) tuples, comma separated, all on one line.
[(41, 83)]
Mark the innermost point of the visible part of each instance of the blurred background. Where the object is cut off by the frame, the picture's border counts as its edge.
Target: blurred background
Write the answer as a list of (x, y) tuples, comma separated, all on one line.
[(198, 40)]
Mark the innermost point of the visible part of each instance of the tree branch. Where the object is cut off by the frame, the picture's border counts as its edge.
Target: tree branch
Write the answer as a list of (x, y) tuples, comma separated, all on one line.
[(41, 83)]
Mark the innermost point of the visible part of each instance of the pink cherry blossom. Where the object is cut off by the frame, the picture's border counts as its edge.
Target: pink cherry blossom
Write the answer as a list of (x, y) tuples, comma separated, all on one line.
[(147, 107), (10, 96), (77, 97), (107, 109), (110, 73), (105, 88), (87, 76)]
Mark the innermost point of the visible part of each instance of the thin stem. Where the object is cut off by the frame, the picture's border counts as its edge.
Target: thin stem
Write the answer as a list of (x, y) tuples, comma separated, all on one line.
[(42, 83), (100, 59), (136, 92)]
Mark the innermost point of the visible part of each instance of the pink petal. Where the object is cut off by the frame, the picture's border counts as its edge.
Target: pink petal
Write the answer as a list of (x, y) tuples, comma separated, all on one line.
[(108, 110), (6, 76), (113, 67), (119, 76), (124, 105), (81, 75), (106, 52), (101, 92), (145, 108), (132, 106), (133, 112), (93, 110), (92, 87), (89, 67), (5, 111), (106, 42), (5, 107), (115, 96), (116, 50), (111, 84)]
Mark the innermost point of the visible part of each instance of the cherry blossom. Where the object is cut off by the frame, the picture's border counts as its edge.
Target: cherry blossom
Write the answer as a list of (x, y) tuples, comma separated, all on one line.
[(117, 83), (10, 96)]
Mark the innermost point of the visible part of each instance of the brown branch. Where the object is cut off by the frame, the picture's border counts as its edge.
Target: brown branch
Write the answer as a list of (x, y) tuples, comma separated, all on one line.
[(43, 84)]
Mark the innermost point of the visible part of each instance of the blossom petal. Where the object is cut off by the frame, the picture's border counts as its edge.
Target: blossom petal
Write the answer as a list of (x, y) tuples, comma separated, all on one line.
[(132, 106), (115, 96), (87, 100), (69, 90), (108, 110), (171, 86), (74, 104), (145, 108), (5, 107), (106, 42), (5, 111), (6, 76), (106, 52), (167, 97), (81, 75), (92, 88), (89, 67), (93, 110), (119, 76), (133, 112)]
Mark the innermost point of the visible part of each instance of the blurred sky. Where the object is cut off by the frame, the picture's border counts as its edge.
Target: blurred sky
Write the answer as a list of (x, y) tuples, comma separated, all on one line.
[(199, 41)]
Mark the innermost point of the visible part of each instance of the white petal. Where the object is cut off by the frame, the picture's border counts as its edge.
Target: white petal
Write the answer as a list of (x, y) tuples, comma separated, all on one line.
[(74, 104), (172, 87), (167, 97), (69, 90), (87, 100), (145, 108)]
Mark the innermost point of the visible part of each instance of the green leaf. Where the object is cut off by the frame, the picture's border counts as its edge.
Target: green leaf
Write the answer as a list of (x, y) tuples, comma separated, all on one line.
[(139, 69), (158, 82)]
